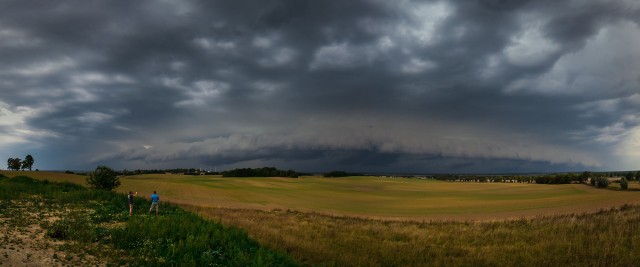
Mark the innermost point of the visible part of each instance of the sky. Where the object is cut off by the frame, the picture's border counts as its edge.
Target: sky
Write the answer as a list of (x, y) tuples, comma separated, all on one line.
[(488, 86)]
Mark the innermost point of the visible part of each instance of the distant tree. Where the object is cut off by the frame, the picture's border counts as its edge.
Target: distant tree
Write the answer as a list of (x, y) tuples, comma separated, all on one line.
[(584, 176), (14, 164), (624, 183), (638, 176), (630, 176), (103, 178), (335, 174), (28, 162), (602, 182), (260, 172)]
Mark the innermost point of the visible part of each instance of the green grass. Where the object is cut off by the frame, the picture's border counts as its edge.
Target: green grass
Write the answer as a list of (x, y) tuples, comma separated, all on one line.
[(96, 219)]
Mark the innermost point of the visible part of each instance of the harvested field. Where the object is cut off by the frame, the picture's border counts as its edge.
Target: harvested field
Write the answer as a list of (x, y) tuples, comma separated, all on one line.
[(374, 197)]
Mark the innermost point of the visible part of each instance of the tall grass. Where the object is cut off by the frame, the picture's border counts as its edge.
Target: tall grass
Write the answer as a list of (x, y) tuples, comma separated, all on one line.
[(176, 237), (607, 238)]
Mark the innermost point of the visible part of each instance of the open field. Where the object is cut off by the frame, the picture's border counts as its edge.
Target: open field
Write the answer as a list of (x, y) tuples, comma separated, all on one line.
[(604, 238), (443, 223), (372, 197)]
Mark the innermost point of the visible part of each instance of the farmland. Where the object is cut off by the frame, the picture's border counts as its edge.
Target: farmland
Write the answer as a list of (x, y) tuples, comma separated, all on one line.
[(373, 197), (372, 221)]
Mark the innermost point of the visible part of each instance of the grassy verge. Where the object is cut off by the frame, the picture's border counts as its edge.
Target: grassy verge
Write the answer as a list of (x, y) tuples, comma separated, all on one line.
[(606, 238), (96, 224)]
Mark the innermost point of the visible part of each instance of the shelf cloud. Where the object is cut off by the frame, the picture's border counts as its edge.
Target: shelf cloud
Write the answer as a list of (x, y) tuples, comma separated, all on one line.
[(370, 86)]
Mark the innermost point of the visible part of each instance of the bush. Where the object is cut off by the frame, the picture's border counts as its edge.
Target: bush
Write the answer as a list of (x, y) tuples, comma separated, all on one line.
[(624, 184), (103, 178), (592, 180), (602, 182)]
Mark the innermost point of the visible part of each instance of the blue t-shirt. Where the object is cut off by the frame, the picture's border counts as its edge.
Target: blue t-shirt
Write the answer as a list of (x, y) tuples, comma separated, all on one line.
[(155, 198)]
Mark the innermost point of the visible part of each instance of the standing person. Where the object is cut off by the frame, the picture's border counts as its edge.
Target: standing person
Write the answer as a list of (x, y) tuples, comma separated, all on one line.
[(154, 202), (130, 197)]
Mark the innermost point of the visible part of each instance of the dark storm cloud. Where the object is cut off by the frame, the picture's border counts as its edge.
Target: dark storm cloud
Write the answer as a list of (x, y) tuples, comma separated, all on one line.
[(358, 85)]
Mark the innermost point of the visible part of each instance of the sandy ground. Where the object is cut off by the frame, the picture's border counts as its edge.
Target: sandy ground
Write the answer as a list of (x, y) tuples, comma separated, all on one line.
[(23, 242), (28, 246)]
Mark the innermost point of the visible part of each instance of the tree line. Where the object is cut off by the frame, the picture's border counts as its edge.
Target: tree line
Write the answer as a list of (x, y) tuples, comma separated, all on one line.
[(341, 174), (125, 172), (261, 172), (17, 164), (484, 178), (187, 171), (597, 179)]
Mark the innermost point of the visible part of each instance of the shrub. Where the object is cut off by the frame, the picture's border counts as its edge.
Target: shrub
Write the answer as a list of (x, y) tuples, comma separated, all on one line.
[(592, 180), (103, 178), (624, 184), (602, 182)]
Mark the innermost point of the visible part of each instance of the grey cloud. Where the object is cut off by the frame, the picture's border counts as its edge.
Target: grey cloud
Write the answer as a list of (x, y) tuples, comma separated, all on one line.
[(408, 86)]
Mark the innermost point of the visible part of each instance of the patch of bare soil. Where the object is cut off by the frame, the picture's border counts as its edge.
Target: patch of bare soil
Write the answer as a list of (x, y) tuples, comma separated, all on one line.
[(23, 242)]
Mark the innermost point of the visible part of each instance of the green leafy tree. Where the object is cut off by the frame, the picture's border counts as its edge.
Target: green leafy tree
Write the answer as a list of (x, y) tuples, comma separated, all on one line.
[(103, 178), (629, 176), (624, 183), (14, 164), (585, 176), (602, 182), (28, 162)]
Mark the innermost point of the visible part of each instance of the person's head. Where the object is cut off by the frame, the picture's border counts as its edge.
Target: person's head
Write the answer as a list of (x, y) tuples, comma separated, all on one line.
[(154, 192), (130, 192)]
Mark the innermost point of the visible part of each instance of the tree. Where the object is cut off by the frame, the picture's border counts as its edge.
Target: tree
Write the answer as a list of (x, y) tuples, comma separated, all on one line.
[(629, 176), (103, 178), (624, 183), (602, 182), (585, 176), (14, 164), (28, 162)]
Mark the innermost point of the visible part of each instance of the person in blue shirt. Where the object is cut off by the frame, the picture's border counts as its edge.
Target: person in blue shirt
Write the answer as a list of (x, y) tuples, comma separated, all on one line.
[(154, 202)]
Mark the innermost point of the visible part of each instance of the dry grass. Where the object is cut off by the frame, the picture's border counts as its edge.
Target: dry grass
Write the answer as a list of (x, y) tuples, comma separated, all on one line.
[(426, 223), (371, 197), (46, 175), (607, 238)]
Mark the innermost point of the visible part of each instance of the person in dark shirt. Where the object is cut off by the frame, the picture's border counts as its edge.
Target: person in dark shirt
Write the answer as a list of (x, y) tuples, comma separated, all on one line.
[(130, 197)]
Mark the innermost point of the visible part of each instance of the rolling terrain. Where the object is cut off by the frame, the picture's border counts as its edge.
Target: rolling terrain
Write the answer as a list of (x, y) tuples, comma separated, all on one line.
[(372, 197)]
